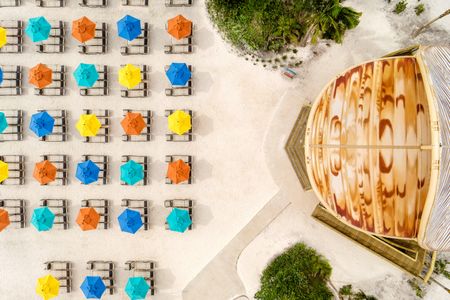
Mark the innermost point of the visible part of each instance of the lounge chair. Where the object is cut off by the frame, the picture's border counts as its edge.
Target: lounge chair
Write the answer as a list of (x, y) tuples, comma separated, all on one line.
[(60, 208), (50, 3), (16, 169), (58, 85), (102, 161), (103, 115), (97, 45), (12, 81), (181, 204), (186, 137), (145, 135), (61, 162), (14, 131), (56, 40), (143, 161), (135, 2), (142, 89), (16, 209), (10, 3), (180, 90), (14, 36), (62, 271), (106, 270), (100, 88), (187, 159), (178, 3), (59, 133), (143, 268), (178, 49), (93, 3), (140, 205), (140, 45), (102, 208)]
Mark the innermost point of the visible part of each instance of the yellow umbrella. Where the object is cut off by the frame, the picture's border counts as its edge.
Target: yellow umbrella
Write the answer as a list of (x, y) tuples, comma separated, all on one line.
[(130, 76), (47, 287), (3, 39), (179, 122), (3, 171), (88, 125)]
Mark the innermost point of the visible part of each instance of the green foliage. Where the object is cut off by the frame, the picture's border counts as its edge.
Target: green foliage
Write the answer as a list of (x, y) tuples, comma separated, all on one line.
[(346, 292), (298, 273), (415, 285), (419, 9), (400, 6), (440, 268)]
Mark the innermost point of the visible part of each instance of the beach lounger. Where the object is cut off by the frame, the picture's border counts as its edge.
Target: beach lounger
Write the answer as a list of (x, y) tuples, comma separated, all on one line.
[(135, 2), (178, 49), (61, 162), (143, 268), (187, 159), (62, 271), (16, 209), (14, 131), (14, 36), (102, 208), (97, 45), (100, 87), (180, 90), (50, 3), (59, 133), (58, 85), (10, 3), (145, 135), (143, 161), (140, 45), (140, 205), (178, 3), (142, 89), (185, 204), (103, 115), (289, 73), (56, 40), (16, 169), (60, 208), (186, 137), (93, 3), (12, 81), (102, 161), (104, 269)]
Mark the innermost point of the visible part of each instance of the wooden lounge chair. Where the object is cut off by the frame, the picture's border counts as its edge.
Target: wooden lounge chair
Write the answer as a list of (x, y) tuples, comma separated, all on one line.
[(106, 270), (178, 3), (103, 115), (50, 3), (62, 271), (140, 205), (14, 131), (61, 162), (56, 40), (14, 36), (143, 161), (142, 89), (16, 209), (186, 204), (145, 135), (16, 169), (97, 45), (135, 2), (12, 81), (178, 49), (102, 208), (102, 161), (58, 85), (59, 133), (100, 88), (140, 45), (187, 159), (186, 137), (180, 90), (93, 3), (60, 208), (10, 3), (143, 268)]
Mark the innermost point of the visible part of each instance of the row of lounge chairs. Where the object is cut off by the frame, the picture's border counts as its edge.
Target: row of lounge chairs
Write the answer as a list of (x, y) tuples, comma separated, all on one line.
[(16, 168), (94, 3)]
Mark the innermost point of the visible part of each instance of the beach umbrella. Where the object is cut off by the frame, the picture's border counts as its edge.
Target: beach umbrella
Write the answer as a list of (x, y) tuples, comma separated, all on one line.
[(130, 76), (38, 29), (133, 123), (178, 171), (3, 37), (179, 27), (87, 172), (4, 219), (179, 220), (83, 29), (42, 123), (1, 75), (131, 172), (44, 172), (3, 122), (93, 287), (179, 122), (178, 74), (85, 75), (129, 27), (4, 171), (88, 125), (137, 288), (88, 218), (130, 221), (42, 218), (47, 287), (40, 76)]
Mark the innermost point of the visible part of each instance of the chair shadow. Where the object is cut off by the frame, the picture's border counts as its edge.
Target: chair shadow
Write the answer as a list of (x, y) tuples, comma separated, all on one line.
[(203, 38), (203, 125), (202, 170), (157, 171), (202, 215), (202, 81)]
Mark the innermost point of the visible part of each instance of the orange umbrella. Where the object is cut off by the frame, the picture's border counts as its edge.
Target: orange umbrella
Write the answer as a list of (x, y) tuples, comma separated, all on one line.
[(178, 171), (88, 218), (40, 75), (179, 27), (44, 172), (133, 123), (4, 219), (83, 29)]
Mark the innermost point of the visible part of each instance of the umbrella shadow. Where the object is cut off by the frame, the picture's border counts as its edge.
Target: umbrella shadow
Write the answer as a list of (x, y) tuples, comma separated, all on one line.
[(157, 171), (203, 125), (202, 215), (202, 81), (159, 36), (158, 81), (204, 38), (165, 279), (202, 170), (158, 215), (159, 126)]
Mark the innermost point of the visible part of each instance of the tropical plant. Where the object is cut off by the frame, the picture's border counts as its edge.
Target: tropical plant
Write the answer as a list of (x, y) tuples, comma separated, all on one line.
[(415, 285), (440, 268), (346, 293), (400, 6), (419, 9)]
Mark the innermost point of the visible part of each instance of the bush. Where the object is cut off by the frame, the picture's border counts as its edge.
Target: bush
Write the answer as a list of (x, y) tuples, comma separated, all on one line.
[(400, 6), (419, 9), (298, 273), (346, 292)]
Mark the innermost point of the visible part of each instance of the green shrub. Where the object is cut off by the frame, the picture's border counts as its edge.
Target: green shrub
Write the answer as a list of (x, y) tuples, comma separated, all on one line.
[(419, 9), (346, 292), (298, 273), (400, 6), (440, 268), (415, 285)]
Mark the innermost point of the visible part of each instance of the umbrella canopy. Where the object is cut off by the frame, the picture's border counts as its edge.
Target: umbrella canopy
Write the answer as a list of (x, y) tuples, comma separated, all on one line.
[(88, 218), (178, 171), (129, 27), (179, 27), (178, 74), (1, 75), (47, 287), (130, 76), (87, 172), (130, 221), (4, 219), (179, 220), (4, 171), (137, 288), (40, 76), (38, 29), (179, 122), (44, 172), (131, 172), (85, 75), (133, 123), (42, 218), (3, 122), (88, 125), (3, 38), (42, 123), (83, 29), (93, 287)]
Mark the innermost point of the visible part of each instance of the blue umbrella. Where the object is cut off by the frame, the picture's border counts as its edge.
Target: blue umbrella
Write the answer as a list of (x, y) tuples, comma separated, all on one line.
[(1, 75), (178, 74), (130, 221), (86, 75), (131, 172), (42, 123), (179, 220), (129, 27), (137, 288), (87, 172), (38, 29), (93, 287), (43, 218), (3, 122)]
